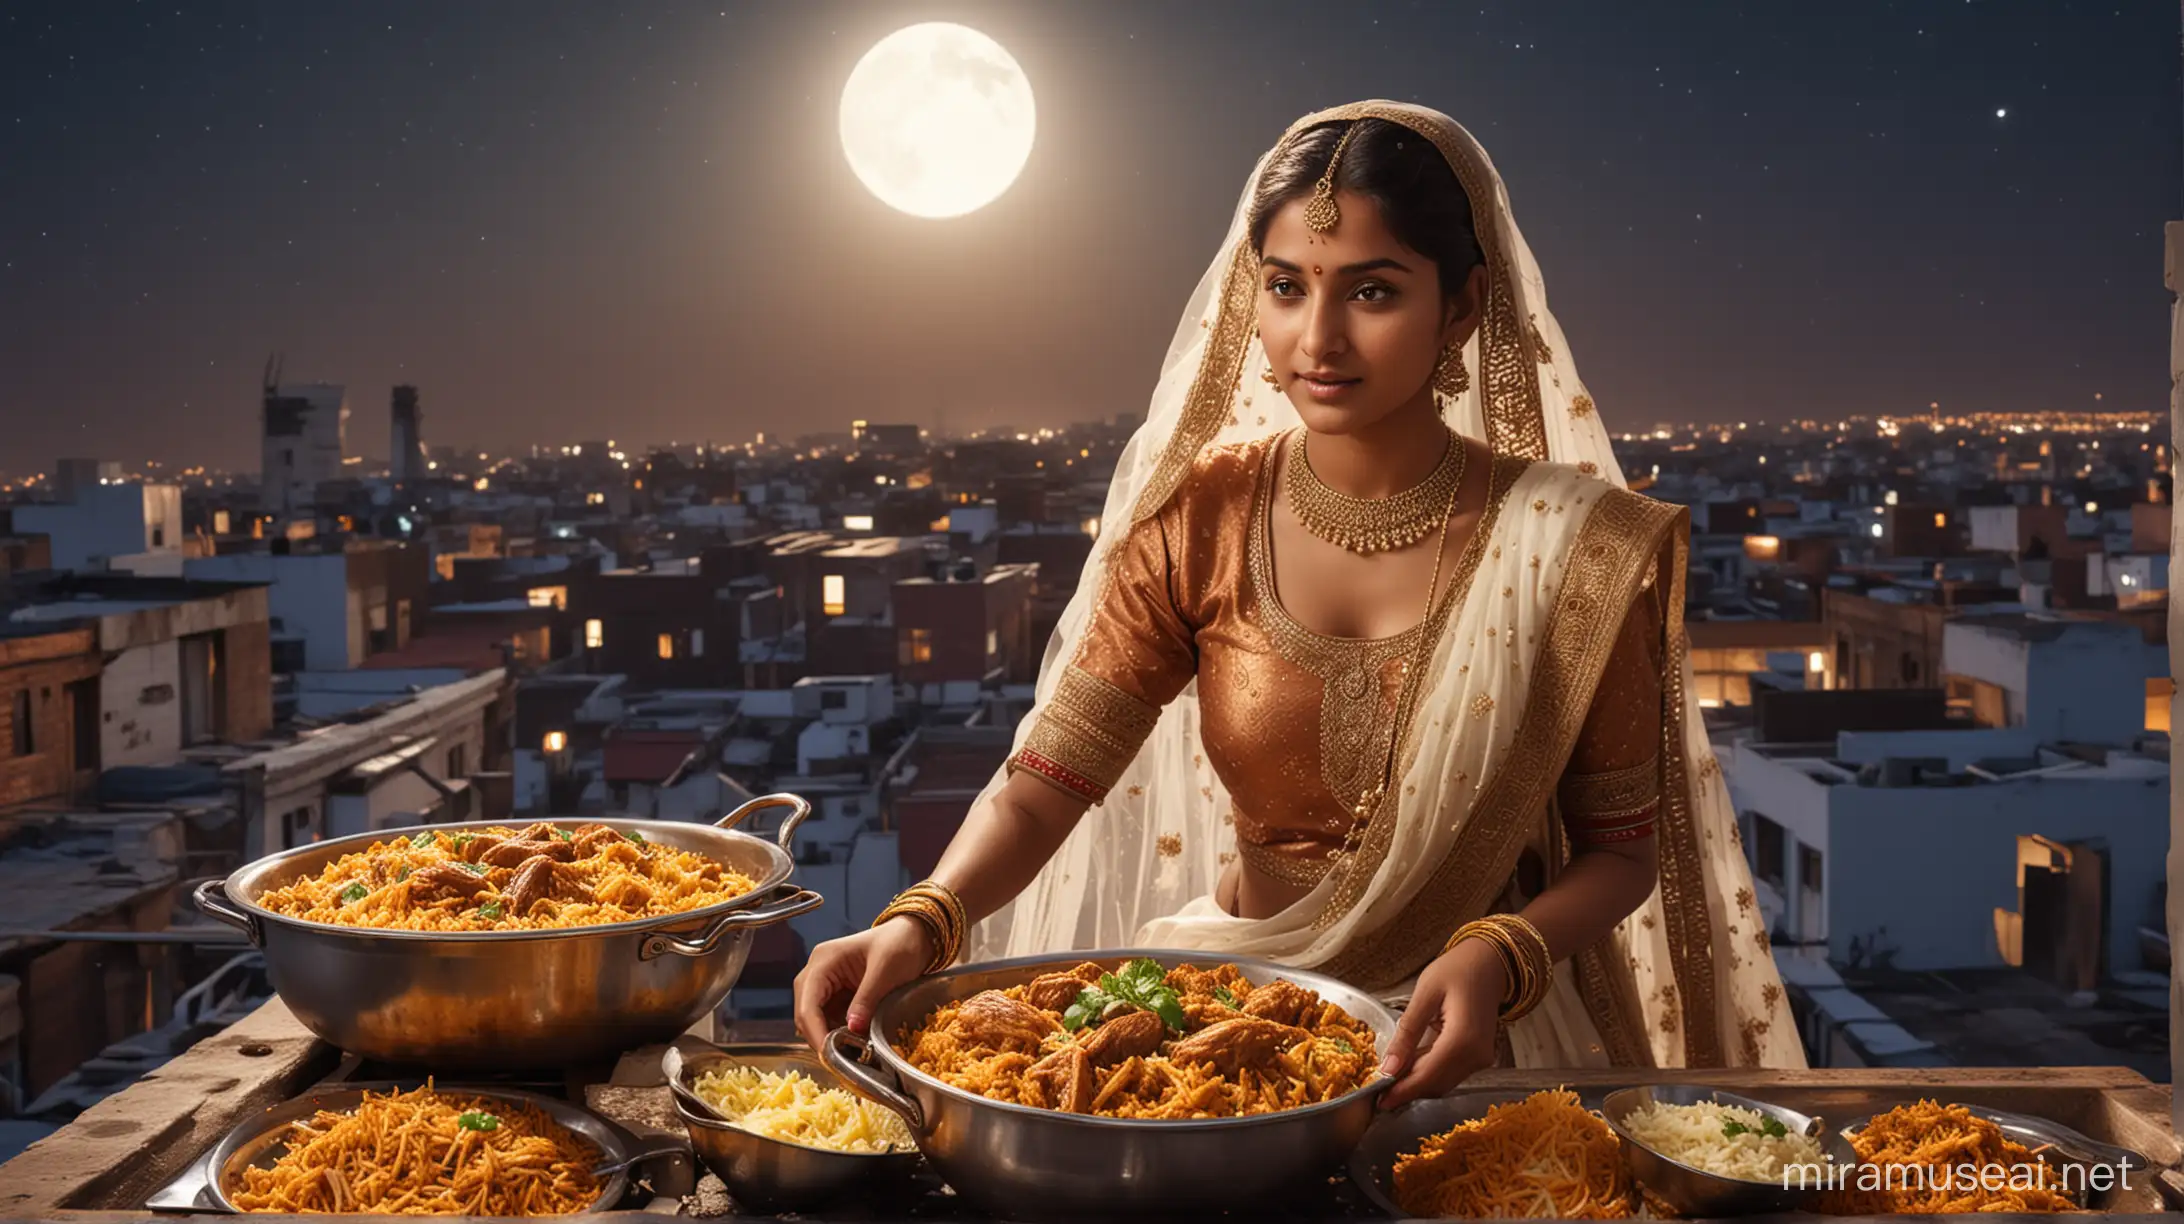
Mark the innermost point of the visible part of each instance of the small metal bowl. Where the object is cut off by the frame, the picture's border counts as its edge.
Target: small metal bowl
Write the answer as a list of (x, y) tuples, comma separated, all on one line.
[(770, 1175), (261, 1140), (1696, 1193)]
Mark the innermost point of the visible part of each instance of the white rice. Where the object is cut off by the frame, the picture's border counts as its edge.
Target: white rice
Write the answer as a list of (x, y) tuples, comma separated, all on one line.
[(1693, 1135)]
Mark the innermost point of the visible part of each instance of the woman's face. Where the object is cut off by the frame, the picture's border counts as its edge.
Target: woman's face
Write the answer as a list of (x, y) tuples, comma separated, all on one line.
[(1354, 321)]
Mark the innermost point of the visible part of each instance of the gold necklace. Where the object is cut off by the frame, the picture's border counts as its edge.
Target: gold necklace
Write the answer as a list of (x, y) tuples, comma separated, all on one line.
[(1361, 815), (1368, 525)]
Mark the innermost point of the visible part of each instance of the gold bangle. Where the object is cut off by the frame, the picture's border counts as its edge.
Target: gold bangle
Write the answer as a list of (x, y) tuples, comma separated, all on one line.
[(941, 911), (958, 913), (1513, 967), (951, 911), (1532, 947), (1525, 959), (928, 914)]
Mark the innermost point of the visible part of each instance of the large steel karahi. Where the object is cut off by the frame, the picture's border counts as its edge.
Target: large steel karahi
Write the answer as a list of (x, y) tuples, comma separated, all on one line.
[(1013, 1160), (517, 999)]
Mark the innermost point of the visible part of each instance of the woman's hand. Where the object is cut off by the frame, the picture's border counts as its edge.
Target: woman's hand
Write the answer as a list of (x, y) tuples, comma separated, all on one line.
[(863, 967), (1458, 997)]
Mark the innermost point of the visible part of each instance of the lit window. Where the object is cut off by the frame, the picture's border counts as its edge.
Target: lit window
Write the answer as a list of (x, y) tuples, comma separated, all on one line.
[(1816, 661), (1940, 519), (219, 522), (667, 645), (1876, 531), (549, 597), (697, 643), (993, 642), (917, 647), (556, 741), (856, 522), (833, 595), (595, 635)]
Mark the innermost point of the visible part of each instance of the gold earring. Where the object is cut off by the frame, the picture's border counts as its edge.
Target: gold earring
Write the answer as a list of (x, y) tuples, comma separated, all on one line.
[(1451, 377)]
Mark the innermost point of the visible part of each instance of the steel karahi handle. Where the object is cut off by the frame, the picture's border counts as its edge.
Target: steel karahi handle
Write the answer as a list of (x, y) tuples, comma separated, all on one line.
[(788, 901), (798, 806), (844, 1051), (211, 897)]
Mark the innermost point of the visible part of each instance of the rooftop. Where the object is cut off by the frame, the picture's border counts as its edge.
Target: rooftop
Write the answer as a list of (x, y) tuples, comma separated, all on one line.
[(2008, 1018)]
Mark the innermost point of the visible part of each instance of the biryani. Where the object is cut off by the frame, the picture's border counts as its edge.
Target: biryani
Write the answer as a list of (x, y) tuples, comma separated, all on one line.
[(425, 1153), (1928, 1158), (794, 1108), (1544, 1157), (497, 879), (1140, 1041), (1725, 1140)]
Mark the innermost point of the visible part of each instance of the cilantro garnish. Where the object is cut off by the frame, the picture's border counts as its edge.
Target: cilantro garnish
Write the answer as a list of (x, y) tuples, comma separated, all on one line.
[(354, 892), (1141, 985), (476, 1120)]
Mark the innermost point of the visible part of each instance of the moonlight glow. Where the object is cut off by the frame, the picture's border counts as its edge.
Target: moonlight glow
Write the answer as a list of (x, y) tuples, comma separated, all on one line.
[(937, 120)]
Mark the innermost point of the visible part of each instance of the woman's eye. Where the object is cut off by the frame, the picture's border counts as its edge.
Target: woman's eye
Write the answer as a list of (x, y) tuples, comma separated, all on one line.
[(1373, 293)]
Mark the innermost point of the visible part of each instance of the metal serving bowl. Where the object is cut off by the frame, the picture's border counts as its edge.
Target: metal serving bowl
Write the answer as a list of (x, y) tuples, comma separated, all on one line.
[(1398, 1133), (770, 1175), (260, 1140), (516, 1000), (1016, 1162), (2125, 1187), (1696, 1193)]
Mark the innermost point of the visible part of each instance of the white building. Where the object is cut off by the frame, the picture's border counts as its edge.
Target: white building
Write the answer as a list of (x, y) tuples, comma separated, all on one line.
[(331, 610), (2036, 840), (407, 766), (306, 430), (108, 522)]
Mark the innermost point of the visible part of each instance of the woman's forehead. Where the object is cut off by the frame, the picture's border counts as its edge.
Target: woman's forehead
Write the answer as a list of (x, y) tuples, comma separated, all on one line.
[(1359, 236)]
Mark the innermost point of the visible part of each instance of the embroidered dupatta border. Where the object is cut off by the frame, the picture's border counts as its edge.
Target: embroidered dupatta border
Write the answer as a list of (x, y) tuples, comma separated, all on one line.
[(1682, 849), (1608, 564)]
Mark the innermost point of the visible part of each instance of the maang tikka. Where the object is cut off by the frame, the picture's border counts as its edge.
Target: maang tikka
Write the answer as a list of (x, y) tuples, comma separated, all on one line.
[(1320, 215)]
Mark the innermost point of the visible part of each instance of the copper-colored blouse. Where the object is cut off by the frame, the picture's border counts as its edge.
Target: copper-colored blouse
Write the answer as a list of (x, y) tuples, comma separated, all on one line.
[(1295, 723)]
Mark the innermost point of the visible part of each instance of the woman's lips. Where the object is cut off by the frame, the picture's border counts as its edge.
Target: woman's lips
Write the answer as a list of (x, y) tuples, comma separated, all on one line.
[(1327, 390)]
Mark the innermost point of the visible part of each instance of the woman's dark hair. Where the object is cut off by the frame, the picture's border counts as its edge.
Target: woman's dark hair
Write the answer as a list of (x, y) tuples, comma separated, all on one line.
[(1400, 171)]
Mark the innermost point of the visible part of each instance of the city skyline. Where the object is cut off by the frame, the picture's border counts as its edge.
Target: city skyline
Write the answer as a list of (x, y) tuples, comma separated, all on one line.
[(550, 216)]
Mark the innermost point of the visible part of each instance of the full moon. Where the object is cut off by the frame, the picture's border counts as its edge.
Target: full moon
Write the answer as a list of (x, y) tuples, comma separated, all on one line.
[(937, 120)]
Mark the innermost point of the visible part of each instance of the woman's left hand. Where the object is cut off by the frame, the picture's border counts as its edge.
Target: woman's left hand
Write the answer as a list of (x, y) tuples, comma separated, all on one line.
[(1458, 998)]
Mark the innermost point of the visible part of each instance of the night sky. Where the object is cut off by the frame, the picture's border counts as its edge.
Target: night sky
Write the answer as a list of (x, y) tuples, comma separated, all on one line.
[(570, 221)]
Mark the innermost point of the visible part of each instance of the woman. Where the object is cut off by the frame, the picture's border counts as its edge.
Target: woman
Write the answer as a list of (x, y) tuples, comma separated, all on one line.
[(1375, 659)]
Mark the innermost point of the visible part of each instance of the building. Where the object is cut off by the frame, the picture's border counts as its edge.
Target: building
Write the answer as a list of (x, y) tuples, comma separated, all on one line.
[(944, 770), (2059, 680), (180, 663), (415, 762), (1725, 655), (49, 713), (406, 460), (667, 627), (63, 1000), (100, 523), (959, 634), (333, 606), (305, 443), (877, 439), (2032, 836)]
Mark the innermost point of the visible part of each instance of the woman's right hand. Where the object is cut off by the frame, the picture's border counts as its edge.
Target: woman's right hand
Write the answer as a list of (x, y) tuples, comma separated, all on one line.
[(860, 969)]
